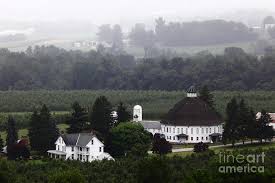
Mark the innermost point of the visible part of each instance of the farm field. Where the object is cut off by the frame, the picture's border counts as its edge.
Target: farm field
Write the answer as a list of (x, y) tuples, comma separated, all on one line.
[(24, 132), (155, 103)]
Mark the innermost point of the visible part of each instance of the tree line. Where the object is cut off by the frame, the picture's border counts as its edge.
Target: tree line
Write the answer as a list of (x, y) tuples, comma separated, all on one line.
[(242, 123), (54, 68), (178, 34)]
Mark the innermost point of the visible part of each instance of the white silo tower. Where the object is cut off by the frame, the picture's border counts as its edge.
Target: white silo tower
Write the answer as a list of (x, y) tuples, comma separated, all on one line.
[(137, 113)]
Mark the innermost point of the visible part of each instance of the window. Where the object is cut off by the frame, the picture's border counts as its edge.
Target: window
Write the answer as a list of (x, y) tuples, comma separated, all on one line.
[(80, 149), (178, 130), (181, 130), (197, 130), (72, 156), (201, 138), (88, 149), (99, 149), (206, 130), (197, 138), (192, 138), (202, 130), (167, 129), (92, 142), (206, 138), (186, 131), (210, 130), (191, 130), (72, 149), (173, 130), (214, 129), (174, 138)]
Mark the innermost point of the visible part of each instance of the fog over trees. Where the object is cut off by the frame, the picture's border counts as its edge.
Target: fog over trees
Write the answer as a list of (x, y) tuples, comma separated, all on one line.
[(54, 68)]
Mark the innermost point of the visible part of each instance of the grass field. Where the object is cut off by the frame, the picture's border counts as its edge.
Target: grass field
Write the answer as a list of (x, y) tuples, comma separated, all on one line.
[(155, 103), (255, 146), (24, 132)]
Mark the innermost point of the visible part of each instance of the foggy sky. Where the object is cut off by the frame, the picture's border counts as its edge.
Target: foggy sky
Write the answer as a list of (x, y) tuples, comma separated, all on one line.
[(100, 11)]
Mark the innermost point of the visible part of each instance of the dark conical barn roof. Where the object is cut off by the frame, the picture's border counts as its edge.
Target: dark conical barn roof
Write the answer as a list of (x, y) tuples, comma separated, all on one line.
[(192, 112)]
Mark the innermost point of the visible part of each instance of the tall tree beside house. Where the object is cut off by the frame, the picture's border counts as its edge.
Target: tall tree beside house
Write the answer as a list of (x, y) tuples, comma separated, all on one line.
[(34, 130), (244, 120), (78, 119), (100, 117), (43, 131), (123, 115), (264, 131), (206, 96), (252, 127), (12, 133), (1, 143), (231, 132)]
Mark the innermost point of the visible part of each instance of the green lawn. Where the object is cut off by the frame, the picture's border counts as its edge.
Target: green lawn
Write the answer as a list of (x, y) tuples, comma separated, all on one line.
[(263, 146), (182, 154), (253, 146), (24, 132)]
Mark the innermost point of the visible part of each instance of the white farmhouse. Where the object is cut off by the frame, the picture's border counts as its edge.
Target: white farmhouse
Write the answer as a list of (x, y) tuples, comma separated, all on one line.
[(81, 146), (191, 120)]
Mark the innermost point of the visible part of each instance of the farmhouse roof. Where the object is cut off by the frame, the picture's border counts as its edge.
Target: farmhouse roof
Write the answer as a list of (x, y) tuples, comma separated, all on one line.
[(77, 139)]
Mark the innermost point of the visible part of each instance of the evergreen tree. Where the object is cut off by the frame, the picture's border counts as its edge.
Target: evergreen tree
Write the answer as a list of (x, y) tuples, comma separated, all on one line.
[(244, 120), (34, 130), (1, 144), (78, 120), (231, 132), (101, 120), (264, 130), (122, 113), (12, 133), (252, 127), (43, 131), (206, 96)]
